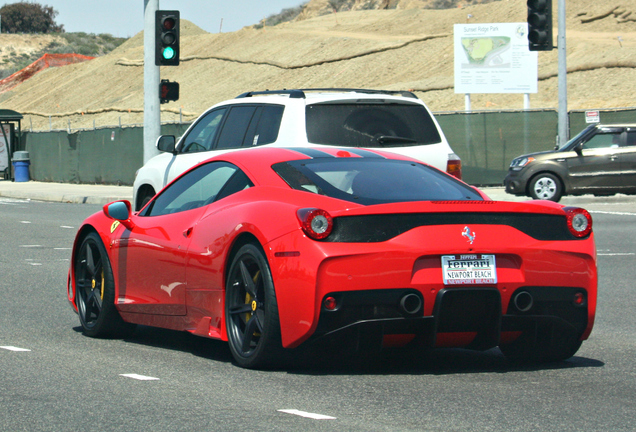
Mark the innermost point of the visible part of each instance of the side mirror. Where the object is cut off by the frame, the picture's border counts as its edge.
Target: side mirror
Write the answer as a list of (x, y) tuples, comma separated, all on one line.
[(166, 143), (578, 149), (121, 211)]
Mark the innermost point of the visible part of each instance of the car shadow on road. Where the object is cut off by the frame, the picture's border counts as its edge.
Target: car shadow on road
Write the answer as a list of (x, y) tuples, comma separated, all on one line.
[(316, 360), (178, 341), (439, 361)]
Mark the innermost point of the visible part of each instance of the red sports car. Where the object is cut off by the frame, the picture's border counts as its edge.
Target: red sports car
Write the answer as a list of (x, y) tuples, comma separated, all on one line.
[(270, 249)]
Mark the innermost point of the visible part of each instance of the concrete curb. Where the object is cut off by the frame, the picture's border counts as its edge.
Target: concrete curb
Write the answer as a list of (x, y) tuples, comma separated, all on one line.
[(65, 192)]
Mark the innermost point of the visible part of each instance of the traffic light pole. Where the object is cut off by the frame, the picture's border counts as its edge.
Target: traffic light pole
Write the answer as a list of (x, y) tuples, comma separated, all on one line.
[(563, 82), (152, 114)]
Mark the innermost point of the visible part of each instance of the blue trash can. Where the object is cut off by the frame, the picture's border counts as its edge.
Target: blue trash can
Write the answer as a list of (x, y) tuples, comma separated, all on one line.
[(21, 164)]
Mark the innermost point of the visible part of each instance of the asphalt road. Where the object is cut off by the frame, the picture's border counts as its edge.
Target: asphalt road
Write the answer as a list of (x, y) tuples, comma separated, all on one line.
[(55, 379)]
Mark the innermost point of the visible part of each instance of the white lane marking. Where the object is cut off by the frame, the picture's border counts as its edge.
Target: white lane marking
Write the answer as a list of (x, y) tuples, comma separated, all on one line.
[(307, 415), (61, 248), (25, 222), (613, 213), (617, 254), (35, 263), (139, 377), (12, 348), (66, 227), (30, 246)]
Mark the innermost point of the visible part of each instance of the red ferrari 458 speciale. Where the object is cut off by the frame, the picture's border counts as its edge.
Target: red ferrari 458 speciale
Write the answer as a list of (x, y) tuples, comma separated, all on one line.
[(273, 248)]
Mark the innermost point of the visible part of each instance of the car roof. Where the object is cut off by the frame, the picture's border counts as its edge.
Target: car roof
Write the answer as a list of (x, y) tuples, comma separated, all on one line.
[(310, 96)]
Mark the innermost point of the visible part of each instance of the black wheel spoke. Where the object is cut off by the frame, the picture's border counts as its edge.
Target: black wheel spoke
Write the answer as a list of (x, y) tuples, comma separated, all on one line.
[(247, 280), (260, 319), (90, 263), (251, 327), (94, 302), (240, 309)]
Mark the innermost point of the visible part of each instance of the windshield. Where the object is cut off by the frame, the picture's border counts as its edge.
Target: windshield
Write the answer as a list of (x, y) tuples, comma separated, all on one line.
[(370, 124), (373, 181)]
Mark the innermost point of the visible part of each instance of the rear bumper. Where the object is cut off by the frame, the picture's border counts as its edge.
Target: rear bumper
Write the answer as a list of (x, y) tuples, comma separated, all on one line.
[(463, 317)]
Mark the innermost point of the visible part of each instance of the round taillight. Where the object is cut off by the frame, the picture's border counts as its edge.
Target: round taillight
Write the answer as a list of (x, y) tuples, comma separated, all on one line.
[(579, 221), (316, 223)]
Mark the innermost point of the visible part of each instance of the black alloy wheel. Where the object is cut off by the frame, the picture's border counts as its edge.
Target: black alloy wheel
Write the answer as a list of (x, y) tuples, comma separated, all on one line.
[(95, 291), (251, 311)]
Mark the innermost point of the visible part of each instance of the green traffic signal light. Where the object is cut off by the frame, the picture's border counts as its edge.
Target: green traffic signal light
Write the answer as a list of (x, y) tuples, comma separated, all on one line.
[(168, 53), (167, 38)]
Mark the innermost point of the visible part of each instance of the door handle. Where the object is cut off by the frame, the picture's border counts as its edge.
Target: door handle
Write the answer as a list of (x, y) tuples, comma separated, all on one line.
[(188, 232)]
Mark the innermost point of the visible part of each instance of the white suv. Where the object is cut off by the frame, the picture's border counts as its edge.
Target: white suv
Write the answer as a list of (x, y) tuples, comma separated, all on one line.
[(396, 121)]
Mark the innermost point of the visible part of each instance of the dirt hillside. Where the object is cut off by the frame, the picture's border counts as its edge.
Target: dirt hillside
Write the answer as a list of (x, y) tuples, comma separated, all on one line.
[(393, 49)]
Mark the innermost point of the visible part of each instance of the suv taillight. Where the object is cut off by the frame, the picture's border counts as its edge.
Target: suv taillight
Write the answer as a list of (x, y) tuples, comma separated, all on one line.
[(454, 166)]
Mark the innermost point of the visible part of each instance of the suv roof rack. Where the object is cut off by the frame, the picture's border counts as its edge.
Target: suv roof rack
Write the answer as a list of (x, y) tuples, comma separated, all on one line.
[(294, 94), (300, 93)]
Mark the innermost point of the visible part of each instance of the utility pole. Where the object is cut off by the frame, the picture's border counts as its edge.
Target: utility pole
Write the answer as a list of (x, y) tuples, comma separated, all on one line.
[(563, 80), (152, 114)]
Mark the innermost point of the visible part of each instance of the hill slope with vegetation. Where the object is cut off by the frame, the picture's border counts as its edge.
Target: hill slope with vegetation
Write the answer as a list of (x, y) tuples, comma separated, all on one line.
[(407, 47)]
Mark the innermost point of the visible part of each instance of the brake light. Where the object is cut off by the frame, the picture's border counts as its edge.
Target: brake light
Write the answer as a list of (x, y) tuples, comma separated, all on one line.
[(579, 221), (316, 223), (454, 166)]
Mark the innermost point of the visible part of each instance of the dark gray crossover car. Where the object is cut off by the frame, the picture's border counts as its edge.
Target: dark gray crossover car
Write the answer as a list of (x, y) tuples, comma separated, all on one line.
[(600, 160)]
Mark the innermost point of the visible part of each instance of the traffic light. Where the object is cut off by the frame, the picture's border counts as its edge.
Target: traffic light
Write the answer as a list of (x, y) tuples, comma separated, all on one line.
[(168, 91), (540, 25), (167, 38)]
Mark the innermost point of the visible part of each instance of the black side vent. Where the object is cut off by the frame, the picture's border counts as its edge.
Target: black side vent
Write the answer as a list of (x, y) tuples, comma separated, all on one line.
[(377, 228)]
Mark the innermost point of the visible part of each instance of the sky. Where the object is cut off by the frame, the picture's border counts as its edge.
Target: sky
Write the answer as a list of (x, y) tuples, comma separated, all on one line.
[(125, 18)]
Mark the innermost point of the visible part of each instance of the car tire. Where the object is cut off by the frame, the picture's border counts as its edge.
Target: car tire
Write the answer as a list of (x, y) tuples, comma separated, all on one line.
[(95, 291), (542, 346), (546, 186), (251, 310)]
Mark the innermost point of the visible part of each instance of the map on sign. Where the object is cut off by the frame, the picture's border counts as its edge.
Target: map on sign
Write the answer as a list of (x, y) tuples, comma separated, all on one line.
[(485, 51), (494, 58)]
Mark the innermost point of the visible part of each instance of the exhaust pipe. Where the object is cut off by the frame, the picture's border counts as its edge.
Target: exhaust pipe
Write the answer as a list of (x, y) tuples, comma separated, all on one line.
[(523, 301), (411, 304)]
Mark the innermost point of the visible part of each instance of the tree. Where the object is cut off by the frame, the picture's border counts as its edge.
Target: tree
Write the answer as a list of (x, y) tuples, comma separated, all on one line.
[(25, 17)]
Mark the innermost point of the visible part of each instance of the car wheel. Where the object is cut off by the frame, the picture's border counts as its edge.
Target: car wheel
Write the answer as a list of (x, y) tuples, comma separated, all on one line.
[(251, 311), (95, 291), (533, 347), (546, 186)]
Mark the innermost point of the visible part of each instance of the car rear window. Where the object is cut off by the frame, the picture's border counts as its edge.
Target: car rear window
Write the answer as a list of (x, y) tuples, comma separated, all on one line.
[(373, 181), (368, 124)]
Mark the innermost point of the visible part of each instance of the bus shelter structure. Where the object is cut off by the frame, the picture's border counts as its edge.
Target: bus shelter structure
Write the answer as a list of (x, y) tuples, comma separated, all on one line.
[(10, 139)]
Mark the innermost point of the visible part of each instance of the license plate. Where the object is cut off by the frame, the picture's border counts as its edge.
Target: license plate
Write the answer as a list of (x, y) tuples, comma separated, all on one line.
[(469, 269)]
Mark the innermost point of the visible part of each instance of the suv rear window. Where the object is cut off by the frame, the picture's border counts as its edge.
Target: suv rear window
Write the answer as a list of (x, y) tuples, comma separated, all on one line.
[(373, 181), (369, 124)]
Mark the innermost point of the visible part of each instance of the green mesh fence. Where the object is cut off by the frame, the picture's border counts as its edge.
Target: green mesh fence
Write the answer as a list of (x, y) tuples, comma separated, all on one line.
[(486, 141), (98, 156)]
